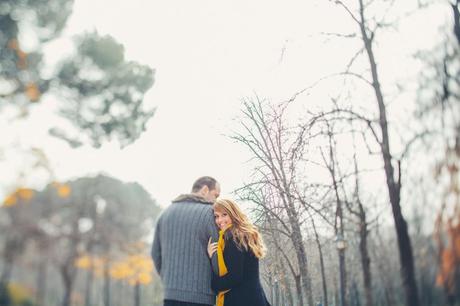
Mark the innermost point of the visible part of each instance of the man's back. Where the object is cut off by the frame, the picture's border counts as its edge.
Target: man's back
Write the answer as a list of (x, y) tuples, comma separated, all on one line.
[(179, 250)]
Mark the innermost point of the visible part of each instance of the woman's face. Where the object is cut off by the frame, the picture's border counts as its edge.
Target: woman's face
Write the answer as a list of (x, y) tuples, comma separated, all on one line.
[(222, 219)]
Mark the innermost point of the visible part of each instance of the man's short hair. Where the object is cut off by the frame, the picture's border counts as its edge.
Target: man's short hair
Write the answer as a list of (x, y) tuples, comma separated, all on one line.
[(204, 181)]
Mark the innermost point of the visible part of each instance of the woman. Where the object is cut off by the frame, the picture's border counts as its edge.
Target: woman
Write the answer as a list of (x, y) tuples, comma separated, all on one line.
[(239, 249)]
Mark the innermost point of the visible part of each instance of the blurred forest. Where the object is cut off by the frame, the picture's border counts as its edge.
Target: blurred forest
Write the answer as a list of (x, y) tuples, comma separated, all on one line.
[(377, 225), (86, 241)]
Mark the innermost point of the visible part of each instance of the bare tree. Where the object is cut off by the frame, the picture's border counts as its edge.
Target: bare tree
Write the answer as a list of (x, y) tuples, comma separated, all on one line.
[(321, 262), (330, 162), (379, 128), (277, 151), (363, 231)]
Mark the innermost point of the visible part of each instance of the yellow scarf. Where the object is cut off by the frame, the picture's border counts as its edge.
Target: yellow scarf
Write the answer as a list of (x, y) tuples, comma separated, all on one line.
[(221, 264)]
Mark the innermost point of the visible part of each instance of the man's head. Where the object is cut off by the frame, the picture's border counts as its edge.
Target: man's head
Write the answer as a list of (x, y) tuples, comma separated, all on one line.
[(207, 187)]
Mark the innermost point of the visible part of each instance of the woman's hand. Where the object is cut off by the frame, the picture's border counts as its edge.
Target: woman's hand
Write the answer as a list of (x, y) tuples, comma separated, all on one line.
[(212, 248)]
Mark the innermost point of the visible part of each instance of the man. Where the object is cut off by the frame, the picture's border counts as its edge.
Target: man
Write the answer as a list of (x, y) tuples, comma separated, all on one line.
[(179, 248)]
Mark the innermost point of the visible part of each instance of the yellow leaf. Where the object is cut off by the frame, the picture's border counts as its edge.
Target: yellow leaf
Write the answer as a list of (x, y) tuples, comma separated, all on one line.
[(132, 282), (22, 60), (25, 193), (13, 44), (10, 200), (83, 262), (32, 92), (18, 293), (144, 278), (121, 270), (63, 190)]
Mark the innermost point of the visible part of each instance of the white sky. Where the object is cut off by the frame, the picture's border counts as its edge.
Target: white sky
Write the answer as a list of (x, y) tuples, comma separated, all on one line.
[(207, 55)]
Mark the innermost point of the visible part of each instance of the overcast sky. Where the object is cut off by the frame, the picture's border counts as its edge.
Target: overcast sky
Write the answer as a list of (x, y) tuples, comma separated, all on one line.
[(207, 55)]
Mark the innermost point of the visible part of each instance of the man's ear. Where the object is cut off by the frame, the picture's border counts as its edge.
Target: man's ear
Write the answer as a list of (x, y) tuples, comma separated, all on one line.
[(204, 190)]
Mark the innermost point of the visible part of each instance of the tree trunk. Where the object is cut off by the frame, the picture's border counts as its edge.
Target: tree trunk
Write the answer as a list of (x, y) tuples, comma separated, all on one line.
[(338, 228), (8, 263), (280, 267), (67, 278), (5, 298), (394, 188), (363, 245), (297, 241), (107, 301), (365, 259), (283, 281), (426, 288), (276, 293), (137, 295), (287, 290), (6, 273), (355, 296), (298, 287), (303, 264), (67, 295), (89, 286), (321, 263), (270, 287), (343, 279), (456, 11), (388, 291), (41, 282), (336, 291)]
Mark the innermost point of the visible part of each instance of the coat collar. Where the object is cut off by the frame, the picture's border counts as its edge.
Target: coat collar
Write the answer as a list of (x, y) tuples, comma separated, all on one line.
[(191, 198)]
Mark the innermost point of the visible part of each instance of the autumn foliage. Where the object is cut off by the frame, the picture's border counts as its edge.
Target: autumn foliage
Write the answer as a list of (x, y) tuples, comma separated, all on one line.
[(447, 233), (133, 269)]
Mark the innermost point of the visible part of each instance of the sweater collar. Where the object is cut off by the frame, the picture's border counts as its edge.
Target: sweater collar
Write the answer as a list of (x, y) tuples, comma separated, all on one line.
[(191, 198)]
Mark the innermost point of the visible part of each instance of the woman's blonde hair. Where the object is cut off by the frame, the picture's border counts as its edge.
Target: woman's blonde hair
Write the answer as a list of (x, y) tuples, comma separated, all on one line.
[(245, 234)]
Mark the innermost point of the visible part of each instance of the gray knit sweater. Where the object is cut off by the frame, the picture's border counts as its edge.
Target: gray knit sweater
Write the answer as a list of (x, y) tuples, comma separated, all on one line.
[(179, 250)]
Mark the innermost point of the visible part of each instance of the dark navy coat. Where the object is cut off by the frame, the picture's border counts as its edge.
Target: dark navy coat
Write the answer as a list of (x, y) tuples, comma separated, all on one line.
[(242, 278)]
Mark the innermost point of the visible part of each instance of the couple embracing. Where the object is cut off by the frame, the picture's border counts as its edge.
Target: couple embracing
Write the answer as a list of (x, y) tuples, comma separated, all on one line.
[(207, 252)]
